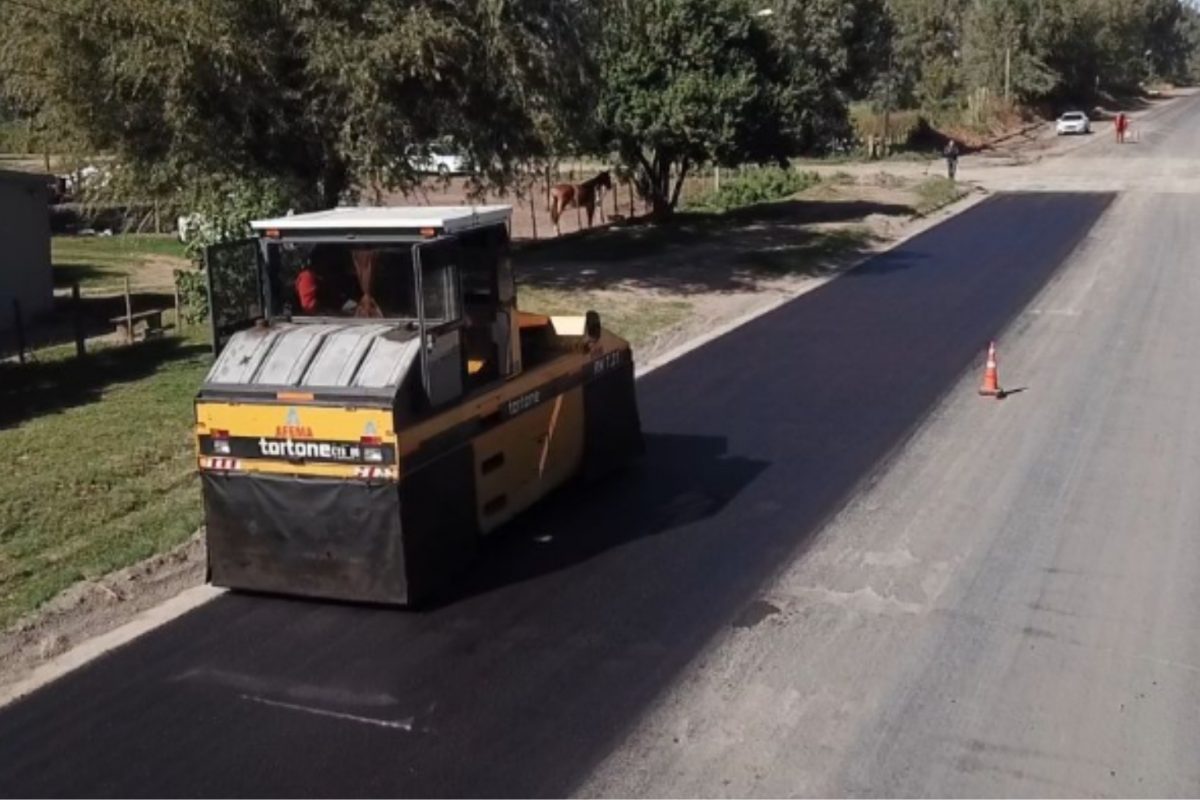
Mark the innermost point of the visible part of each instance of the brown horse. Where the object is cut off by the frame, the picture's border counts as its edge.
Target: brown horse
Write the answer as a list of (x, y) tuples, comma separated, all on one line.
[(581, 195)]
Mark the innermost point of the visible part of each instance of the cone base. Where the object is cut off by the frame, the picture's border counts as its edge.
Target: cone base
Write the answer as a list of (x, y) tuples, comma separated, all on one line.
[(991, 393)]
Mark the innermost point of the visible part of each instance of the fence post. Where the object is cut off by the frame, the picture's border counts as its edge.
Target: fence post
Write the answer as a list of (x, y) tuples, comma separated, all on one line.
[(77, 321), (128, 313), (19, 329), (533, 211), (632, 210), (178, 310)]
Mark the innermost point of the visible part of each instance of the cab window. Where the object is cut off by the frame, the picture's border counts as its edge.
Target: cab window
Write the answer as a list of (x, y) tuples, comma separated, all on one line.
[(349, 280)]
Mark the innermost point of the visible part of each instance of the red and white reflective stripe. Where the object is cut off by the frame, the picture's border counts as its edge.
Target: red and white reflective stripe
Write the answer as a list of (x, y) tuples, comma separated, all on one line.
[(220, 463), (383, 473)]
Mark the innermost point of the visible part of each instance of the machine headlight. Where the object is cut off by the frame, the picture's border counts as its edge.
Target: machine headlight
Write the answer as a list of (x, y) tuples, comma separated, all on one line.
[(373, 454), (221, 447)]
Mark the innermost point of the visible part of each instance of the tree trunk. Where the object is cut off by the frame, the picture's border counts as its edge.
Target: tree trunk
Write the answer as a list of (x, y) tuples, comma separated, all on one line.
[(660, 189), (334, 180), (683, 173)]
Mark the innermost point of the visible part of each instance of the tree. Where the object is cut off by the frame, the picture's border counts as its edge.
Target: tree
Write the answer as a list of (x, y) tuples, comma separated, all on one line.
[(1001, 49), (928, 51), (689, 82), (318, 96), (847, 42)]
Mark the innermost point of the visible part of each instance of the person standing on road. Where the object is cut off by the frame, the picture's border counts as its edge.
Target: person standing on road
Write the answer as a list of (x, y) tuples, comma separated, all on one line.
[(1122, 125), (951, 154)]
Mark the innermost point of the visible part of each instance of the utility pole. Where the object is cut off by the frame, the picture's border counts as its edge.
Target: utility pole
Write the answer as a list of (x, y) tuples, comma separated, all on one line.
[(1008, 76), (887, 104)]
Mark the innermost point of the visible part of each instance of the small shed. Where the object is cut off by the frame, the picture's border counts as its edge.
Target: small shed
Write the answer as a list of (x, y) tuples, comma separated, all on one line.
[(25, 272)]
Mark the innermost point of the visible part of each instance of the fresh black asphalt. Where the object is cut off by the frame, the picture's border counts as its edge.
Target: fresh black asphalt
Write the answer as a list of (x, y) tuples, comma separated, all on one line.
[(519, 683)]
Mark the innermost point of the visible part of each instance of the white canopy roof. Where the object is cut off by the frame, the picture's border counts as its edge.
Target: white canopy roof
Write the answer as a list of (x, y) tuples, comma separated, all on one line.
[(447, 218)]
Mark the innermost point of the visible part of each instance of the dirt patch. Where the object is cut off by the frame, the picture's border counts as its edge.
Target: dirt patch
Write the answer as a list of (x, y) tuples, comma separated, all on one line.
[(92, 608)]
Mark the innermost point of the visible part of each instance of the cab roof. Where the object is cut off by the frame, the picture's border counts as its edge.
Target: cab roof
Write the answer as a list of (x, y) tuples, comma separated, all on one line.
[(445, 219)]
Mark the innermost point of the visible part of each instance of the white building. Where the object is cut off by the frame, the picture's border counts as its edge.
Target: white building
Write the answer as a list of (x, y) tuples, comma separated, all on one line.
[(25, 272)]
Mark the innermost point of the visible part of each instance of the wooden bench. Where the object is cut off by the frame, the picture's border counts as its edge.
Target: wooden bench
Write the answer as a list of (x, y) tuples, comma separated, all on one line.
[(147, 323)]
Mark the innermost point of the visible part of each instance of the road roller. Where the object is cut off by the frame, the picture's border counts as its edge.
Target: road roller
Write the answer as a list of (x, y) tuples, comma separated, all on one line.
[(379, 403)]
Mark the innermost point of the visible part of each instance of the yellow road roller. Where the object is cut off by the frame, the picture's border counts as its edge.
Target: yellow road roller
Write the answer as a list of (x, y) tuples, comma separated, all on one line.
[(378, 403)]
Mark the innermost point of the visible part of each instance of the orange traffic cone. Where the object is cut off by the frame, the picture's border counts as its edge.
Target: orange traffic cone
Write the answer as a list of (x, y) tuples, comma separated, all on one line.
[(991, 376)]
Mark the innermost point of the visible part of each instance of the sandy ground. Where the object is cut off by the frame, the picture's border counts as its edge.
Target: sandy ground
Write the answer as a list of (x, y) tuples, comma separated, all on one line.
[(721, 281)]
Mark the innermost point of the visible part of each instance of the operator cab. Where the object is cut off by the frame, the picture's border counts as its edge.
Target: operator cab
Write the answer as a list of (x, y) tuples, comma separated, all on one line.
[(436, 275)]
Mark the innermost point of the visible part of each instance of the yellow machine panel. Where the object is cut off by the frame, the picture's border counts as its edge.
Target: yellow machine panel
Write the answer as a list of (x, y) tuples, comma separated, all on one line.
[(525, 458), (295, 439)]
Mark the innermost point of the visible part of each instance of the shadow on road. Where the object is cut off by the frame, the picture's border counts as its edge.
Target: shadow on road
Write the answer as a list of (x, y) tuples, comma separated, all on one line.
[(680, 480)]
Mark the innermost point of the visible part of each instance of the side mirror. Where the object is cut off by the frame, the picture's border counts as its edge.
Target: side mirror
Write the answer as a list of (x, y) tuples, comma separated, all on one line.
[(591, 326)]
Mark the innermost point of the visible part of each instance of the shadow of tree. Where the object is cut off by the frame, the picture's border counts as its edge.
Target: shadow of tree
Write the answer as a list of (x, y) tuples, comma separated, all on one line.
[(68, 273), (35, 389), (700, 252)]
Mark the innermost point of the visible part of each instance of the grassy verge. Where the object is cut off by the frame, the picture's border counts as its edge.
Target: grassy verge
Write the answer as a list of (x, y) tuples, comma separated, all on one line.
[(936, 193), (101, 263), (101, 465)]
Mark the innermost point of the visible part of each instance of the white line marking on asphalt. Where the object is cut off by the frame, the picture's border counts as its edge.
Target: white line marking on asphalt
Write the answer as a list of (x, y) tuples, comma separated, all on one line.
[(395, 724)]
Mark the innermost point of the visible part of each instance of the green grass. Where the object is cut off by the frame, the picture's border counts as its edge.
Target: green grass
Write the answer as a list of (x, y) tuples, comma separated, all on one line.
[(637, 318), (935, 193), (103, 262), (100, 466)]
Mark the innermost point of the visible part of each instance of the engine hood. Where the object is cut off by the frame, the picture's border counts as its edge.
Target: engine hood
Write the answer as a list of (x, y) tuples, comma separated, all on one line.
[(353, 358)]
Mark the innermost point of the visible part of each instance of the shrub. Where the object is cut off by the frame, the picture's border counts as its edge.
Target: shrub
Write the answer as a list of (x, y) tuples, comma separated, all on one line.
[(193, 295), (759, 185), (902, 126)]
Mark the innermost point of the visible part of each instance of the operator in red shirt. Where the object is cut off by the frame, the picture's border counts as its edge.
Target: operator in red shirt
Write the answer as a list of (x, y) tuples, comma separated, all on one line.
[(308, 289)]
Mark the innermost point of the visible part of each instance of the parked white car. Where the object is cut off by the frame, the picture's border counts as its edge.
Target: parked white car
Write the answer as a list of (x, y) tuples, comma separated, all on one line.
[(1073, 122), (442, 161)]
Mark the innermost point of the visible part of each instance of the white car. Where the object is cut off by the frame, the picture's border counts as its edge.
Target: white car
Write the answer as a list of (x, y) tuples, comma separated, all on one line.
[(1073, 122), (442, 161)]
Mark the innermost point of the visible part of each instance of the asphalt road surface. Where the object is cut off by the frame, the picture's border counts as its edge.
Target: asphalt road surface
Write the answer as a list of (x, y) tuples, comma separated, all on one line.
[(1010, 609), (538, 669)]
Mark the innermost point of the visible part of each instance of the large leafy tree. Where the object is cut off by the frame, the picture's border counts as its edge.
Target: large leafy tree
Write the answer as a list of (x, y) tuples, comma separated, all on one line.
[(315, 96), (1004, 42), (690, 82)]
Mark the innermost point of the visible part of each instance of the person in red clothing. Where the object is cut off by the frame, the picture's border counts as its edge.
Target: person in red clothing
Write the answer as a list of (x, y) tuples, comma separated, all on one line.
[(308, 290), (1122, 125)]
